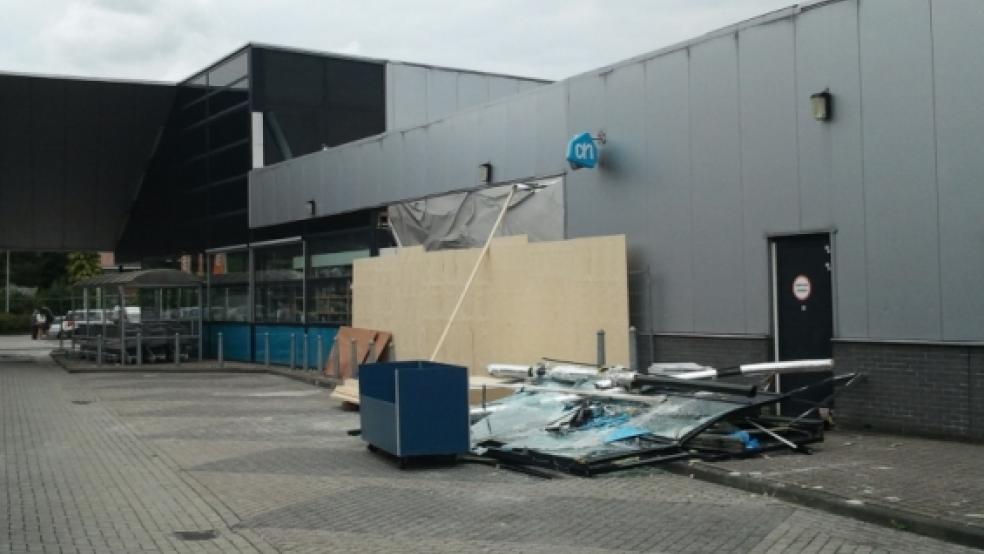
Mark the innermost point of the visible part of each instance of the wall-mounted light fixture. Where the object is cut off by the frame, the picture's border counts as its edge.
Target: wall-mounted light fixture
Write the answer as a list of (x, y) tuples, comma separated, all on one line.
[(485, 173), (822, 104), (311, 208)]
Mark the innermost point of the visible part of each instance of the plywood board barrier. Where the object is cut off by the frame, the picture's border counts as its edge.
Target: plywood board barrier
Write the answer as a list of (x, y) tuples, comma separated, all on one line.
[(528, 301)]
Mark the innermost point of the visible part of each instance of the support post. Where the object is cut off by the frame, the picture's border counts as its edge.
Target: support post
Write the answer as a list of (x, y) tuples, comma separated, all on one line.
[(201, 320), (122, 305), (139, 348), (319, 366), (221, 350), (177, 349), (293, 351), (99, 349), (633, 349), (354, 352), (304, 352), (601, 348), (337, 354), (6, 288), (478, 263), (266, 349)]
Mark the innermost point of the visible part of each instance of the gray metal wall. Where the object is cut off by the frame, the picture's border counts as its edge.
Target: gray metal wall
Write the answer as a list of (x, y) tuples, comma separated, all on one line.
[(417, 94), (712, 147)]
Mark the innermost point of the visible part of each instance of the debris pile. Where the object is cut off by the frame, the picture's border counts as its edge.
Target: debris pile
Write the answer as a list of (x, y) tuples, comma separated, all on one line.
[(588, 420)]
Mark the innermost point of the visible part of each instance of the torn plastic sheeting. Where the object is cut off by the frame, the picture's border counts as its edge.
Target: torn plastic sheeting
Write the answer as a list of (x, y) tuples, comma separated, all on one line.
[(464, 219)]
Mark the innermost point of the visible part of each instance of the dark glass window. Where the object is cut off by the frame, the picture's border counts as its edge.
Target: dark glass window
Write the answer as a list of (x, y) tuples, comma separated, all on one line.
[(329, 274), (228, 291), (230, 72), (279, 279)]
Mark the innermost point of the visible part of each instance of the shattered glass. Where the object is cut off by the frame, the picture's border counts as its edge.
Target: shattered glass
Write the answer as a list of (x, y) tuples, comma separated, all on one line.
[(584, 424)]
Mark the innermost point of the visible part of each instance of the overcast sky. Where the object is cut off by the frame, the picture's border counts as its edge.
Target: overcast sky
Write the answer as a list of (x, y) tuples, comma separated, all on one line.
[(170, 39)]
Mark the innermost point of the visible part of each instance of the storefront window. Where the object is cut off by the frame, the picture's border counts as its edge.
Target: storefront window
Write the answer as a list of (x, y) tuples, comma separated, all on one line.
[(279, 284), (330, 276), (228, 292)]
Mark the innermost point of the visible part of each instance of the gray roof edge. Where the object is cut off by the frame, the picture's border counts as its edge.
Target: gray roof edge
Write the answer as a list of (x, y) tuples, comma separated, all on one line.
[(769, 17), (143, 278), (356, 58), (88, 79)]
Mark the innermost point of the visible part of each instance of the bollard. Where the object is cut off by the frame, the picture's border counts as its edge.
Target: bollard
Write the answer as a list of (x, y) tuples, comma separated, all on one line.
[(177, 349), (354, 352), (293, 351), (304, 353), (139, 348), (221, 351), (370, 355), (266, 349), (601, 348), (337, 354), (321, 352), (483, 397), (99, 350), (633, 349)]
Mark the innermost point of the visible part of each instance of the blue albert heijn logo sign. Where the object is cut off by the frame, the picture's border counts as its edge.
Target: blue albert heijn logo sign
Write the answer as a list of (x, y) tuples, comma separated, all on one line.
[(582, 152)]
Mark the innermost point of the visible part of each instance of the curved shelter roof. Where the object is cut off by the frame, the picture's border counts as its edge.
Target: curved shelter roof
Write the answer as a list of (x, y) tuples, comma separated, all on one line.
[(145, 278)]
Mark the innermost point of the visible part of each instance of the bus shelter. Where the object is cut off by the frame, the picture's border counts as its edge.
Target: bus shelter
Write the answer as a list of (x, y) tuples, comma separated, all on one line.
[(152, 315)]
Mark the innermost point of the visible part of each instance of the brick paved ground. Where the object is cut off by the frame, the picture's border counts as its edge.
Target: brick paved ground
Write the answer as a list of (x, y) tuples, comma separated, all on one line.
[(941, 479), (118, 463)]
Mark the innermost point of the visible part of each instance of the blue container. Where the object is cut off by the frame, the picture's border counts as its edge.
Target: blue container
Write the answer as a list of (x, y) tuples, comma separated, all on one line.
[(414, 408)]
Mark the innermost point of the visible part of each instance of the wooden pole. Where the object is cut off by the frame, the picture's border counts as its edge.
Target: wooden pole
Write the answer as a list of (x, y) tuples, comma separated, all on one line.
[(478, 263)]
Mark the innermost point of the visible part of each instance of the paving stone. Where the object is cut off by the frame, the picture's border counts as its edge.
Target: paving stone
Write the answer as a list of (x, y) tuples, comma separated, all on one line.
[(942, 479), (269, 469)]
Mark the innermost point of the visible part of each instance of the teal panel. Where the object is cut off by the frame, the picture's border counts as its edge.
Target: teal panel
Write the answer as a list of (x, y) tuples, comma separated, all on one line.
[(235, 340)]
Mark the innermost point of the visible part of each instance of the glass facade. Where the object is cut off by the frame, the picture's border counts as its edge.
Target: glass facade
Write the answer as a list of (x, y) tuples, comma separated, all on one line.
[(228, 290), (302, 282), (279, 277), (329, 276), (194, 194), (257, 106), (214, 158)]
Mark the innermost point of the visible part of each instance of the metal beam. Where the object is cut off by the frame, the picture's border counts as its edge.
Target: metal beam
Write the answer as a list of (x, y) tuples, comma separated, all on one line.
[(6, 288)]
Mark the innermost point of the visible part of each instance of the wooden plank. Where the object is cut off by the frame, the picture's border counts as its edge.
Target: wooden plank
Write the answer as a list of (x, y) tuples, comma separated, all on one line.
[(348, 390), (362, 338), (528, 300)]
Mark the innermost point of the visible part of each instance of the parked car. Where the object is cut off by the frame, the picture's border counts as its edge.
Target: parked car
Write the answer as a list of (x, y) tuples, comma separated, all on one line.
[(76, 321), (56, 330)]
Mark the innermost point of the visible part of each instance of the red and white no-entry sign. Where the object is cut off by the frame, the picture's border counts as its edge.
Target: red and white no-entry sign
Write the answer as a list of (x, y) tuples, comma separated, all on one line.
[(802, 287)]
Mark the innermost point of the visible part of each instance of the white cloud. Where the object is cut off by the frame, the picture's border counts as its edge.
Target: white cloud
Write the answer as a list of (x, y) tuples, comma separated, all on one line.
[(169, 39)]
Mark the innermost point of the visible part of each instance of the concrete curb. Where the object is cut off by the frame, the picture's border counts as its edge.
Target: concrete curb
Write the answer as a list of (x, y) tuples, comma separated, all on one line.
[(308, 377), (886, 516)]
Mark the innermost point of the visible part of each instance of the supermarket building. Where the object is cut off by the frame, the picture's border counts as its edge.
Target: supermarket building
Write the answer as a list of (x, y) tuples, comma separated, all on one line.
[(803, 184)]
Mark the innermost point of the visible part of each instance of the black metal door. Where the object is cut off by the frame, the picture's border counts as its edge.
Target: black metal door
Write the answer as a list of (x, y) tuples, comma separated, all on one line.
[(803, 298)]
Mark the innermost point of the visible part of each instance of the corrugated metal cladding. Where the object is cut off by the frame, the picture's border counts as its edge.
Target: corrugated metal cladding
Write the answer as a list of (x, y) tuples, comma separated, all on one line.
[(72, 157), (712, 147), (417, 94)]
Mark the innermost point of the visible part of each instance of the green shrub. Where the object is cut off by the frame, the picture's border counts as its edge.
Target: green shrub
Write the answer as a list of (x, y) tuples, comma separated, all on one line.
[(20, 301), (15, 324)]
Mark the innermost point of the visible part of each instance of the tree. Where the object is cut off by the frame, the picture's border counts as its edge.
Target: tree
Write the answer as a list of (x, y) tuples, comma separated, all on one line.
[(37, 269), (81, 266)]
